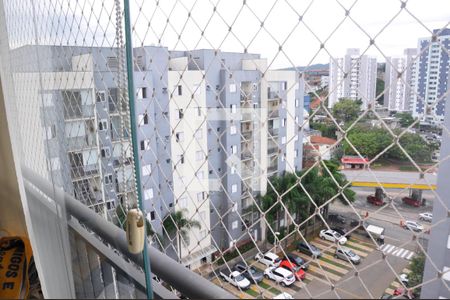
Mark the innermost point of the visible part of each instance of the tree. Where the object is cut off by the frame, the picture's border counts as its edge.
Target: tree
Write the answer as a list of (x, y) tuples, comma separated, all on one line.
[(380, 90), (318, 184), (346, 110), (326, 129), (372, 141), (176, 224), (405, 119), (415, 277)]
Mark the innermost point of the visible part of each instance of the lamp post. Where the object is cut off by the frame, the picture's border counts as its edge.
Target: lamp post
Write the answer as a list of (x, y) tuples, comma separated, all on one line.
[(277, 242)]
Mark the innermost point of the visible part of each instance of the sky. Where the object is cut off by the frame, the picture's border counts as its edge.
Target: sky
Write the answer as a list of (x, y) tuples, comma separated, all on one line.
[(322, 22), (300, 27)]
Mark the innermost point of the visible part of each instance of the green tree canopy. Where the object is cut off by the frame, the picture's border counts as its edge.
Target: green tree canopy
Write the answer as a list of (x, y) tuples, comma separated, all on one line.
[(346, 110), (405, 119), (372, 141)]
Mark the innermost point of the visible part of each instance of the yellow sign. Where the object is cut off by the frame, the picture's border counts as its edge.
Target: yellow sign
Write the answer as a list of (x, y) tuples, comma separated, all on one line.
[(15, 256)]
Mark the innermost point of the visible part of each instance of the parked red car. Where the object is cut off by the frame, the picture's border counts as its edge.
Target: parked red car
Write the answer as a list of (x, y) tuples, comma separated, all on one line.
[(411, 201), (298, 272), (375, 201)]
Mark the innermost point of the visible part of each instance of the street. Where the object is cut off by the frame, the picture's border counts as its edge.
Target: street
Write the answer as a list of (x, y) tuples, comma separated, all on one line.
[(375, 274)]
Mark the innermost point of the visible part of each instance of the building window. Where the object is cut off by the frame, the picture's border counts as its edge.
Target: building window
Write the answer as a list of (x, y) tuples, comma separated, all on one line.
[(283, 140), (103, 125), (100, 96), (108, 179), (179, 137), (233, 129), (234, 188), (182, 202), (147, 170), (181, 158), (234, 225), (180, 114), (148, 194), (232, 88), (233, 108), (200, 175), (151, 215), (235, 207), (143, 119), (50, 132), (233, 149), (105, 152), (201, 196), (283, 122), (145, 145), (233, 169), (199, 156), (180, 90)]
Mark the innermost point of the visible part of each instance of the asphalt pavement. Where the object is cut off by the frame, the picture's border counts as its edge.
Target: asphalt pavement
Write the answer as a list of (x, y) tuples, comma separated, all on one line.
[(374, 275)]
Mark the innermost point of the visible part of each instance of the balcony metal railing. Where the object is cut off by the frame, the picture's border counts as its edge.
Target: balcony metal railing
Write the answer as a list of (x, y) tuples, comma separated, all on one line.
[(99, 252), (83, 171)]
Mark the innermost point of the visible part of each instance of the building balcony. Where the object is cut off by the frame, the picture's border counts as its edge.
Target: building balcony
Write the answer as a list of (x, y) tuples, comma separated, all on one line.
[(81, 142), (99, 264), (79, 112), (246, 155), (79, 172), (273, 114), (272, 150), (273, 131)]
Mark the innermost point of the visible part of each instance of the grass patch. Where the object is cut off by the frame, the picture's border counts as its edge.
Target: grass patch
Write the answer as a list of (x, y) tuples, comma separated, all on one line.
[(252, 293), (264, 285), (332, 262), (274, 291), (354, 247)]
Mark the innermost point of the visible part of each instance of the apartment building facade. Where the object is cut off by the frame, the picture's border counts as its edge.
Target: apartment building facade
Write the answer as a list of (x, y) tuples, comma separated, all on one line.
[(399, 78), (352, 76), (211, 130), (432, 77)]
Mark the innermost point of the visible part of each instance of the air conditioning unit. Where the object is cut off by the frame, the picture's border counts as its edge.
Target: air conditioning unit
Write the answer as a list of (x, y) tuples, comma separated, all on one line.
[(164, 90)]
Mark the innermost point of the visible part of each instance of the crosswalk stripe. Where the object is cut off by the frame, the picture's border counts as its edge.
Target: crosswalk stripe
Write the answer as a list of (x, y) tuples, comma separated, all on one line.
[(406, 253), (384, 247), (400, 252), (389, 249), (409, 256), (395, 251)]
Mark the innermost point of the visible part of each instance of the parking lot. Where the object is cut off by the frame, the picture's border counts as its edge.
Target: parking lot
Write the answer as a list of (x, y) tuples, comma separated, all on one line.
[(326, 269)]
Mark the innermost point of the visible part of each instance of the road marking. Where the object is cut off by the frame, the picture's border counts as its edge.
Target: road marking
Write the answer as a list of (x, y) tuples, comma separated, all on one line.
[(389, 248), (397, 251)]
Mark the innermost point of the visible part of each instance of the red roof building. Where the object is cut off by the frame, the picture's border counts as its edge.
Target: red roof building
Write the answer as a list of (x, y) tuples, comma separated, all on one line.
[(352, 162)]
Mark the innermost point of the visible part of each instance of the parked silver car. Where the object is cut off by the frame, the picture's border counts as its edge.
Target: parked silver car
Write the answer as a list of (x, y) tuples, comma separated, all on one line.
[(347, 254), (426, 217)]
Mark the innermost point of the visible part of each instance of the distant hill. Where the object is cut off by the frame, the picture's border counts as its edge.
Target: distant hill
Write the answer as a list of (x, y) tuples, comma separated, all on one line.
[(311, 67)]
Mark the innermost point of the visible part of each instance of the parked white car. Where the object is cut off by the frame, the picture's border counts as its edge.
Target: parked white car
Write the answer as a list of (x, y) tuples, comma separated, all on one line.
[(280, 275), (414, 226), (426, 217), (283, 295), (269, 259), (332, 236)]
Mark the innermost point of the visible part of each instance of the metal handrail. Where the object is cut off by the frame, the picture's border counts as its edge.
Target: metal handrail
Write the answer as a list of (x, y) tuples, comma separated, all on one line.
[(182, 279)]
